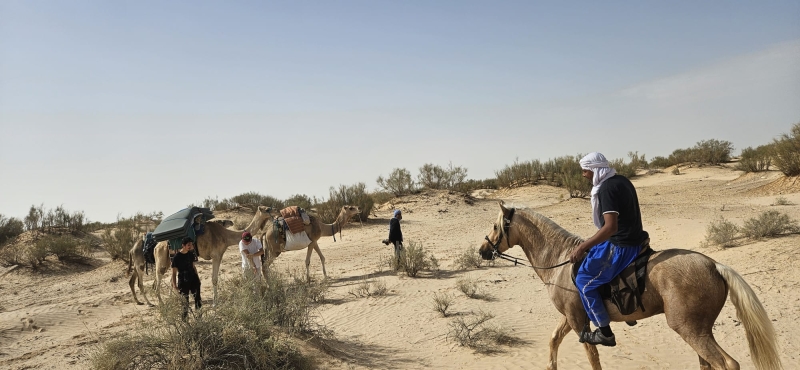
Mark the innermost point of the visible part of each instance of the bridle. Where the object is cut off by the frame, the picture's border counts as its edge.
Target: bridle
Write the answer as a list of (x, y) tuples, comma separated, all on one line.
[(517, 261)]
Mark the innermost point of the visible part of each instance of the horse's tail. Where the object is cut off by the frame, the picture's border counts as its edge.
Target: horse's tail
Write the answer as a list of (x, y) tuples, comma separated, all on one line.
[(758, 328)]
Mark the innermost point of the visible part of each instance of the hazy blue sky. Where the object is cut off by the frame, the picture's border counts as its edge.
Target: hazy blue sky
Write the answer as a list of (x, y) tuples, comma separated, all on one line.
[(123, 106)]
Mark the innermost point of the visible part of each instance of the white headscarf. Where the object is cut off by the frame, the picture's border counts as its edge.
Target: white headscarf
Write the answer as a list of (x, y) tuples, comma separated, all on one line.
[(598, 164)]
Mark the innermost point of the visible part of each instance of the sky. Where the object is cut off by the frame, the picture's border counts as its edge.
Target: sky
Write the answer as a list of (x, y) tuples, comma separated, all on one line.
[(114, 108)]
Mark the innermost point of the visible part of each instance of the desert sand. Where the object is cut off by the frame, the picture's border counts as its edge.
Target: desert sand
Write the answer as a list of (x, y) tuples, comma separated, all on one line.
[(55, 319)]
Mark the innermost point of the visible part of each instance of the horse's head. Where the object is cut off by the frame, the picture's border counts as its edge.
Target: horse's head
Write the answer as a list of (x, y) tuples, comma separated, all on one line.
[(497, 241)]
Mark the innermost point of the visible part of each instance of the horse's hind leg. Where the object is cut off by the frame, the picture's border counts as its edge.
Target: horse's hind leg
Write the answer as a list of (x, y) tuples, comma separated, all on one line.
[(555, 340), (699, 336)]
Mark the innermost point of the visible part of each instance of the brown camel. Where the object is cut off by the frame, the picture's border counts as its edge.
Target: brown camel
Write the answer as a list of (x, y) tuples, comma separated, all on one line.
[(212, 244), (689, 288), (315, 230), (136, 259)]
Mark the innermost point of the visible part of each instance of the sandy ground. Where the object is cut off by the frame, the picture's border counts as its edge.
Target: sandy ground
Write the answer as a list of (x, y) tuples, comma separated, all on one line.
[(55, 319)]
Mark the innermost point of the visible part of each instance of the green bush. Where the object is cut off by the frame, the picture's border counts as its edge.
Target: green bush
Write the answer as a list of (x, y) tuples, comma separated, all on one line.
[(660, 162), (253, 200), (436, 177), (414, 259), (66, 247), (472, 185), (721, 232), (245, 330), (300, 200), (381, 197), (353, 195), (398, 183), (120, 237), (755, 160), (10, 228), (786, 152), (769, 223), (520, 174), (469, 258), (712, 151)]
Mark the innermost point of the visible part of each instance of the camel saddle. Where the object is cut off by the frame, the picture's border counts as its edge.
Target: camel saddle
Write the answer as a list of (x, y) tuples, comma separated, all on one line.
[(626, 289), (296, 218)]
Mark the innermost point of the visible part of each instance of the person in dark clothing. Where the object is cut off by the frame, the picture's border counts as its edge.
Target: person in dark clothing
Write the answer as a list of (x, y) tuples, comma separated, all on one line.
[(395, 234), (616, 214), (184, 275)]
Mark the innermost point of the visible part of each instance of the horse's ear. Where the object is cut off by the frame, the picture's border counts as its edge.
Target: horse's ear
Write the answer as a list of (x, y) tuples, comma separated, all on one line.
[(502, 207)]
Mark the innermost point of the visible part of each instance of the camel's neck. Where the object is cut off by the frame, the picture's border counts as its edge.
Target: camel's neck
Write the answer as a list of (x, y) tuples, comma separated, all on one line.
[(544, 243), (336, 226), (257, 223), (216, 239)]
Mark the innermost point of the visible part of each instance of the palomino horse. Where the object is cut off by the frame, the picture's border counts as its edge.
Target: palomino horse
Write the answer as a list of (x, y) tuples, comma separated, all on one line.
[(689, 288)]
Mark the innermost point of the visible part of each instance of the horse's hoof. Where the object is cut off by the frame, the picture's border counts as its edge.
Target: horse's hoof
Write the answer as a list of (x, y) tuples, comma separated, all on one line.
[(631, 323)]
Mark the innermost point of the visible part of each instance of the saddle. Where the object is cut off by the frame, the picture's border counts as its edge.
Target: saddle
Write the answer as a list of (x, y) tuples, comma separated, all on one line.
[(626, 289), (296, 218)]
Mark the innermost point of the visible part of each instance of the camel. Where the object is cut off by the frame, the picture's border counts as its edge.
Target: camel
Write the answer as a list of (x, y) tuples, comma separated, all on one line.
[(212, 244), (689, 288), (136, 259), (315, 230)]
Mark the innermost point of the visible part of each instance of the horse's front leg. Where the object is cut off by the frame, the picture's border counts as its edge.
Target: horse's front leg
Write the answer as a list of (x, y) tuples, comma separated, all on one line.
[(577, 321), (555, 340)]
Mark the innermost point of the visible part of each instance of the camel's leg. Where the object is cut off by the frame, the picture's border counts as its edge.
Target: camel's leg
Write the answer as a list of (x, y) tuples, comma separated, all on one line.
[(555, 340), (140, 280), (271, 256), (321, 258), (135, 278), (215, 261), (308, 260)]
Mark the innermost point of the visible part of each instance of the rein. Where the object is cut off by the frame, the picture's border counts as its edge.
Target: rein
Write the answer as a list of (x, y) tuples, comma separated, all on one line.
[(497, 253)]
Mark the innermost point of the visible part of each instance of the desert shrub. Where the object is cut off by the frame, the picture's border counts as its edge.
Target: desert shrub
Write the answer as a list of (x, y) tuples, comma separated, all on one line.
[(469, 287), (676, 171), (477, 334), (120, 237), (660, 162), (786, 152), (625, 169), (577, 186), (66, 247), (441, 302), (215, 204), (59, 218), (10, 228), (414, 259), (781, 201), (755, 160), (398, 183), (253, 200), (520, 173), (721, 232), (769, 223), (381, 197), (471, 185), (244, 331), (369, 288), (300, 200), (712, 151), (437, 177), (469, 258)]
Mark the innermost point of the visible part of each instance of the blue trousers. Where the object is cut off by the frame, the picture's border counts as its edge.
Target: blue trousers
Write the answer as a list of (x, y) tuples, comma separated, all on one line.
[(603, 262)]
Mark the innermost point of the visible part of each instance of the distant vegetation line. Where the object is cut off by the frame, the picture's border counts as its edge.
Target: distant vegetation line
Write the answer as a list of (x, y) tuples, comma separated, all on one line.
[(783, 153)]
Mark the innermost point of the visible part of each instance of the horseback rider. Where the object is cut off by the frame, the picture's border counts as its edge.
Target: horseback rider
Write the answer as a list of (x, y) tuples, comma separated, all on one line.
[(617, 242)]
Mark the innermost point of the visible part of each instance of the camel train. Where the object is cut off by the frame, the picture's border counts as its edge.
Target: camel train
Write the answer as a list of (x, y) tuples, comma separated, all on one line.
[(216, 239)]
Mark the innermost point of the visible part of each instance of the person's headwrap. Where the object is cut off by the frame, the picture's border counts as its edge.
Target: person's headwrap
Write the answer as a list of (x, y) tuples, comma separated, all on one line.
[(397, 212), (598, 164)]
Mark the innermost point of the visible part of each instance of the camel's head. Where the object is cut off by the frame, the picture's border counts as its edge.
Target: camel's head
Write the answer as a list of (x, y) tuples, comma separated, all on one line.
[(497, 241), (350, 211)]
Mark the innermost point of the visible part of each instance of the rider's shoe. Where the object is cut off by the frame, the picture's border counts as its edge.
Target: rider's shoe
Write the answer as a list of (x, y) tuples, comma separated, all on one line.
[(596, 337)]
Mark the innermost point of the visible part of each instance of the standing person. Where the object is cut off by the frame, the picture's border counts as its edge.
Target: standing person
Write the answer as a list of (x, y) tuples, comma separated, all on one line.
[(617, 242), (184, 275), (251, 250), (395, 234)]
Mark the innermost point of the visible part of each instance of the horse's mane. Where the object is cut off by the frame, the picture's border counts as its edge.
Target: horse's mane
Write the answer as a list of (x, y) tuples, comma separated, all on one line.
[(551, 231)]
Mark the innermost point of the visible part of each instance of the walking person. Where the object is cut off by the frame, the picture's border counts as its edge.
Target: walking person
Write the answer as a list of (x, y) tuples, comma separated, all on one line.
[(396, 235), (184, 275), (617, 242)]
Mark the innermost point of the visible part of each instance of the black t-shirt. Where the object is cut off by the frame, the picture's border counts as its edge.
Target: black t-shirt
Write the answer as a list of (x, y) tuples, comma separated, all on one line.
[(617, 194), (395, 235), (184, 262)]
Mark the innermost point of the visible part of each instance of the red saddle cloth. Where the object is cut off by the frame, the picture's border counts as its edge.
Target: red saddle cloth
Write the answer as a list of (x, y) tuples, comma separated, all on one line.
[(293, 219)]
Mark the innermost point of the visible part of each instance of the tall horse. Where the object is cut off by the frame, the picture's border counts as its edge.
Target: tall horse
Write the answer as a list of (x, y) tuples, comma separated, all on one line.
[(689, 288)]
